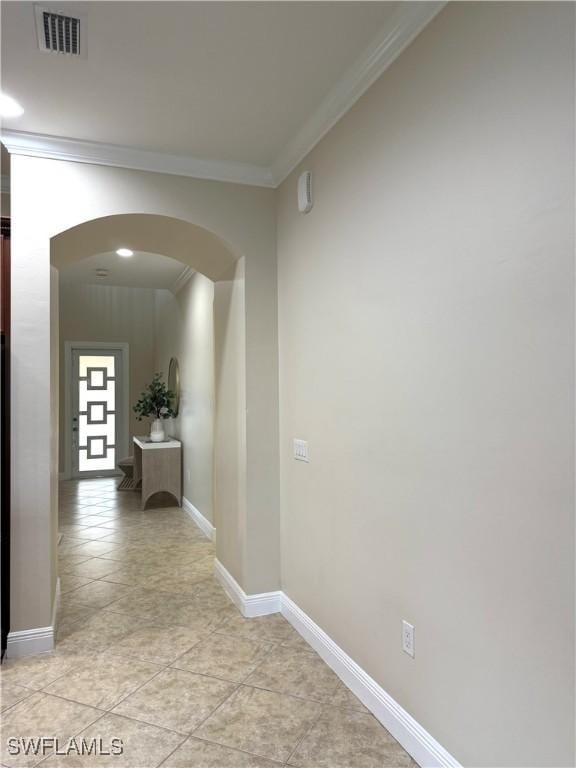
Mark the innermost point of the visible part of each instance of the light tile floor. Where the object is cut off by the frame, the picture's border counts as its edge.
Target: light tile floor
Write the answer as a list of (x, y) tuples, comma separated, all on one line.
[(151, 651)]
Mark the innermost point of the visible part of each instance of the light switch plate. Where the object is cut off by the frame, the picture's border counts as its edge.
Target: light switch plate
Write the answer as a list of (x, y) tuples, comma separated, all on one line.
[(301, 450)]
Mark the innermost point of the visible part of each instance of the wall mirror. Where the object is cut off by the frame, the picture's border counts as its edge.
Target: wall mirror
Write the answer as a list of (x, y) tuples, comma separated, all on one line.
[(174, 383)]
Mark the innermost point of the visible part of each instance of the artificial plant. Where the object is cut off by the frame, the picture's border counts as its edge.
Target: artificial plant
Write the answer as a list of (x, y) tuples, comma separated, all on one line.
[(155, 400)]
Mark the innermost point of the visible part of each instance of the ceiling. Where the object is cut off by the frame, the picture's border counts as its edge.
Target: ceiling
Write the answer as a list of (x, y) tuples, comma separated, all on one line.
[(236, 91), (143, 270), (226, 80)]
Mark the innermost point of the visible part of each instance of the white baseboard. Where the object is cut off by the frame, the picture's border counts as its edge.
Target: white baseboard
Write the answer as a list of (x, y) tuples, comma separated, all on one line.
[(411, 735), (248, 605), (427, 752), (203, 523), (29, 642)]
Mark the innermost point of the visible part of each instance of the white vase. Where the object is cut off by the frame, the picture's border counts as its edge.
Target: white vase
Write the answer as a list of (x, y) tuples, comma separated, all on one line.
[(157, 434)]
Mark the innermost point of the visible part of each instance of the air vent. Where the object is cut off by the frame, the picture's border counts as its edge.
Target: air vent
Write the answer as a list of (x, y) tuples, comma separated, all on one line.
[(58, 32)]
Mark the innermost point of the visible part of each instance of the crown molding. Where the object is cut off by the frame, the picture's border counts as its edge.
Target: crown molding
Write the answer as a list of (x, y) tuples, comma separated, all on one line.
[(182, 279), (94, 153), (408, 21)]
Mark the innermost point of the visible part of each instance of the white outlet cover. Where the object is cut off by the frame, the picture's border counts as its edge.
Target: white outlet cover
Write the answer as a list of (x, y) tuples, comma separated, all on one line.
[(408, 638)]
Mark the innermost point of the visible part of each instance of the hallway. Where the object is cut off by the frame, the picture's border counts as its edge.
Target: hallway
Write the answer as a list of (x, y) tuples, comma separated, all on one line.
[(151, 651)]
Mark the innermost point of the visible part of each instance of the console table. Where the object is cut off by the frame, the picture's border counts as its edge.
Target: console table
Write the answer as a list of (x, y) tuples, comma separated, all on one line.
[(158, 467)]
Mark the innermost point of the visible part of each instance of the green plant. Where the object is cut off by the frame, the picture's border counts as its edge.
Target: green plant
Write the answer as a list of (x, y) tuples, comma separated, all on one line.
[(154, 401)]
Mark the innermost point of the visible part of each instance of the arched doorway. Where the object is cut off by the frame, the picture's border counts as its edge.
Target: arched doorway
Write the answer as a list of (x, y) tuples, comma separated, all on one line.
[(61, 197), (193, 245), (211, 466)]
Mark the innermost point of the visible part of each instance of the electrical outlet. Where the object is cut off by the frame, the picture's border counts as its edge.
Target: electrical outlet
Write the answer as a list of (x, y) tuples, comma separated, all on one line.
[(301, 450), (408, 638)]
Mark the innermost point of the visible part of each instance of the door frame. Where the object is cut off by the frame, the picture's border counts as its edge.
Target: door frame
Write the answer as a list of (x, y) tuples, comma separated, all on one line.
[(124, 424)]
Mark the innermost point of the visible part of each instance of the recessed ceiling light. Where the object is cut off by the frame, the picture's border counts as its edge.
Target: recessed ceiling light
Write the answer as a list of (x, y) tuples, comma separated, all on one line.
[(125, 252), (9, 107)]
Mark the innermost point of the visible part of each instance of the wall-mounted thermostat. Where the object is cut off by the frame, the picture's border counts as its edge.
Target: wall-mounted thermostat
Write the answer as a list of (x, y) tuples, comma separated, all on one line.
[(305, 192)]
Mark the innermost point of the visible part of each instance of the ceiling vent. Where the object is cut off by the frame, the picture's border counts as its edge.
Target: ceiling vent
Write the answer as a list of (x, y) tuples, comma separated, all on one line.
[(58, 32)]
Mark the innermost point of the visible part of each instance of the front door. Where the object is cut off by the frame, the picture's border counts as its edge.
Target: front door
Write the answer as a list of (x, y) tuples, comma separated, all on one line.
[(96, 404)]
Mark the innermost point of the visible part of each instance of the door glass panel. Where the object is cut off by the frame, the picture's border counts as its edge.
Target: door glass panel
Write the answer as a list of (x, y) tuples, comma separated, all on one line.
[(96, 378), (97, 430), (96, 361), (97, 465), (106, 396), (96, 412)]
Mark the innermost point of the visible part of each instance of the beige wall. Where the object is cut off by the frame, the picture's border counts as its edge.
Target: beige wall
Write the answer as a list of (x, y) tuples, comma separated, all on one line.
[(426, 352), (32, 328), (184, 328), (55, 431), (109, 313), (230, 423)]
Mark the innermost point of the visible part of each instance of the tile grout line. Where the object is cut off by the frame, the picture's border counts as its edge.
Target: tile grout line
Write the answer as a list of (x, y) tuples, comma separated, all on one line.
[(161, 763), (74, 736), (162, 669), (305, 735), (237, 688), (236, 749)]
